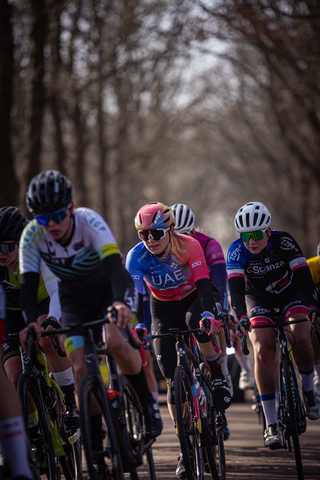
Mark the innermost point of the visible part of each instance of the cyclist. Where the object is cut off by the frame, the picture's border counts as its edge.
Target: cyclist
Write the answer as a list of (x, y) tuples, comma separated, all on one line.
[(174, 268), (314, 265), (266, 268), (80, 249), (12, 427), (185, 219), (12, 223)]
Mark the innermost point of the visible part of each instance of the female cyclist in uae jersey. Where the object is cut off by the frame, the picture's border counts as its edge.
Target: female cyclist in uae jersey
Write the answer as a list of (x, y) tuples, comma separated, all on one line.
[(176, 273)]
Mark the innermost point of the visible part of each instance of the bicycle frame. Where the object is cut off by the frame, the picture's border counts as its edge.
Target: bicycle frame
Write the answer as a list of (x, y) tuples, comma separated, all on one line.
[(43, 382)]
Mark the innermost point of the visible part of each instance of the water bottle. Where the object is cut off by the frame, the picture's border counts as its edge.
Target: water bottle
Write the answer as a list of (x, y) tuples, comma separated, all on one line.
[(203, 403), (201, 399)]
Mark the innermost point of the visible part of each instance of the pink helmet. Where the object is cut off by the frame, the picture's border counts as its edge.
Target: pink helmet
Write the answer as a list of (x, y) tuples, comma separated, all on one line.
[(154, 215)]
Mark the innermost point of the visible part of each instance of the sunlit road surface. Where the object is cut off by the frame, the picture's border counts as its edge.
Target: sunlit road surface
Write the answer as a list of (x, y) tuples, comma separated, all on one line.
[(247, 457)]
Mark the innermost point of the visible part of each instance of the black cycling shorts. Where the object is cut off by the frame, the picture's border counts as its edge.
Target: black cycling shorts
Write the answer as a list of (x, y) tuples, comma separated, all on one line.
[(15, 323), (182, 314), (261, 310)]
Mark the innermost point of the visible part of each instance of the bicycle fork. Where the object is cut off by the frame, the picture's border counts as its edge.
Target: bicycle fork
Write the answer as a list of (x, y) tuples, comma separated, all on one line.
[(182, 360)]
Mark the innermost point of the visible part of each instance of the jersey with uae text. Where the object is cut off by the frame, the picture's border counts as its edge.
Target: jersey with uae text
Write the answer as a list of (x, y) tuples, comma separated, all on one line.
[(173, 277)]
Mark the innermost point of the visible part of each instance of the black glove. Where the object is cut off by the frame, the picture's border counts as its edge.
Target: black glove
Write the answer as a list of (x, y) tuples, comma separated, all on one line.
[(313, 310), (244, 322)]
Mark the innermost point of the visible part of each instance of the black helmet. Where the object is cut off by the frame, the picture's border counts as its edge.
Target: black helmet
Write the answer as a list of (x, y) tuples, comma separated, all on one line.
[(48, 191), (12, 222)]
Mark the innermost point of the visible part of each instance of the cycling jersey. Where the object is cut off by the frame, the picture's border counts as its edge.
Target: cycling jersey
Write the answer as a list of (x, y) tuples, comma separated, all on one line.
[(80, 263), (212, 249), (48, 286), (216, 264), (314, 265), (272, 274), (172, 277)]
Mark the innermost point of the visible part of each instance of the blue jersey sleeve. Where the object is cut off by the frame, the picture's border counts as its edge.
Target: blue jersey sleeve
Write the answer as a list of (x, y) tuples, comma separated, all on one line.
[(134, 262)]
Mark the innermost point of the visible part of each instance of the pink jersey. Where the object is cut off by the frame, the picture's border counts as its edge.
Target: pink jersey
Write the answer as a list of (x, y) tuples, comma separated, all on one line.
[(173, 277), (212, 249)]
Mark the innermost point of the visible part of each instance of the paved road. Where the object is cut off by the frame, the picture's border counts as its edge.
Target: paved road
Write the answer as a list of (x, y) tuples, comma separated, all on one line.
[(247, 457)]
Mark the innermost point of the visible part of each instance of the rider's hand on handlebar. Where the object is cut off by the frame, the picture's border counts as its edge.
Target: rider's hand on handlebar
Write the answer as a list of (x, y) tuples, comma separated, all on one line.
[(243, 326), (139, 333), (230, 319), (314, 315), (23, 335), (215, 325), (124, 314)]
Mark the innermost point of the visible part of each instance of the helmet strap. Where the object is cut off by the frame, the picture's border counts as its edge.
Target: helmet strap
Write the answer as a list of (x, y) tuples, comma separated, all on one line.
[(164, 251), (66, 242)]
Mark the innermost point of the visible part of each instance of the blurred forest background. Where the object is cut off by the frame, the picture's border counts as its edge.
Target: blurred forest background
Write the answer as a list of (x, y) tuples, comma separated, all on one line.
[(208, 103)]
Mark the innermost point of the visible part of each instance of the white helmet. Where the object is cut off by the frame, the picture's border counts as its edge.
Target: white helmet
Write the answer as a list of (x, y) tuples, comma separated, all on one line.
[(252, 216), (184, 218)]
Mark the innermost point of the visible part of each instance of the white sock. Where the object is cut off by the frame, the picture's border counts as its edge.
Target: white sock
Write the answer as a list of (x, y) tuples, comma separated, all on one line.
[(224, 365), (316, 367), (269, 408), (307, 380), (13, 439), (244, 363), (64, 378), (155, 396)]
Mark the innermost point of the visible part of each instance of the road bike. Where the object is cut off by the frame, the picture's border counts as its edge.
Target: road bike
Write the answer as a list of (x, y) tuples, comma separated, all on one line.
[(57, 451), (124, 447), (291, 412), (199, 425)]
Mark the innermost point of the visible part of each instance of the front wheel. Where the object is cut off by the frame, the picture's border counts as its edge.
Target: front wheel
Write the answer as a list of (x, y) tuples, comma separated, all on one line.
[(134, 432), (289, 405), (37, 426), (100, 446), (187, 425), (210, 440)]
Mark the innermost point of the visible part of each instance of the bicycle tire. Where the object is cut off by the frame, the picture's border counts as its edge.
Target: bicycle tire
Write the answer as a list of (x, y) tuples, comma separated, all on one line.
[(221, 451), (134, 429), (71, 461), (209, 437), (286, 385), (39, 433), (90, 393), (189, 436)]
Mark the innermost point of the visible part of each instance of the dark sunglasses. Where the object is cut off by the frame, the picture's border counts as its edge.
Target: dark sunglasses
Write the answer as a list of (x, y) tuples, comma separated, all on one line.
[(257, 235), (58, 216), (6, 248), (156, 234)]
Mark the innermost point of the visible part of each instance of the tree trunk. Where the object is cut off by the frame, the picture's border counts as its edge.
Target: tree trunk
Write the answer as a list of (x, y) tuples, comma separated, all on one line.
[(8, 179), (38, 91)]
